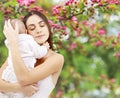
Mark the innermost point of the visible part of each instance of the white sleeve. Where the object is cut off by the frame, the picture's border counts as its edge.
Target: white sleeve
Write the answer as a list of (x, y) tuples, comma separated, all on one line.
[(39, 51)]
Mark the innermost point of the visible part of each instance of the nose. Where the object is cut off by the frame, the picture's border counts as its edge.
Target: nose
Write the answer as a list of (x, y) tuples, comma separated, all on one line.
[(38, 30)]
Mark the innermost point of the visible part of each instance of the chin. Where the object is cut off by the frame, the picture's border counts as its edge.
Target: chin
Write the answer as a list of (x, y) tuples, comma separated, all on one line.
[(40, 43)]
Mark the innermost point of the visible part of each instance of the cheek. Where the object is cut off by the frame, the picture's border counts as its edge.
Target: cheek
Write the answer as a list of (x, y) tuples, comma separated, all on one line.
[(47, 33), (31, 33)]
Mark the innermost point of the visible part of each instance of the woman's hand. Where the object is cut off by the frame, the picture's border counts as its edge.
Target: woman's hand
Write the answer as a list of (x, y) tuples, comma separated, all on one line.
[(29, 90), (17, 88), (9, 32)]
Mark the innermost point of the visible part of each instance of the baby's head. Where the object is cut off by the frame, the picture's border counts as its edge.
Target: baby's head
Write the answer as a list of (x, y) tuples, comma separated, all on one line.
[(21, 26)]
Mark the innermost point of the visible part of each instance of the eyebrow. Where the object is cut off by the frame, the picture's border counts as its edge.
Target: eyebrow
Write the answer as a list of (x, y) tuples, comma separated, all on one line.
[(40, 22), (33, 24)]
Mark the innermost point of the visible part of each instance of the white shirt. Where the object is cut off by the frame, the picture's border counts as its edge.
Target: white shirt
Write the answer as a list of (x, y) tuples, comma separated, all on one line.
[(29, 51)]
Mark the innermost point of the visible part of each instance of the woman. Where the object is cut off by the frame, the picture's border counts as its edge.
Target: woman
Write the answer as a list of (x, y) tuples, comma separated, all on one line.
[(37, 26)]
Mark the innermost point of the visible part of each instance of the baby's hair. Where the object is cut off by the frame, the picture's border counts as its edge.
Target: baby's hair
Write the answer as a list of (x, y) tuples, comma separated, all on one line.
[(21, 26)]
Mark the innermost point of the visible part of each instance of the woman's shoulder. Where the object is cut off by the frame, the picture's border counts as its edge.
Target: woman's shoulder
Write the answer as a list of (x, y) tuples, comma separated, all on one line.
[(58, 55)]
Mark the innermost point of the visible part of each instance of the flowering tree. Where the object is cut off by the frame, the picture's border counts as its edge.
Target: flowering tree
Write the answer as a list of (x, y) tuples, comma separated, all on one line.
[(81, 31)]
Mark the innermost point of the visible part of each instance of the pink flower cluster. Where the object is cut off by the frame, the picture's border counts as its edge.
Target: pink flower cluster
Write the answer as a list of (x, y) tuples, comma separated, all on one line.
[(56, 25), (69, 2), (74, 19), (56, 10), (101, 32), (98, 43), (73, 45), (112, 80), (119, 35), (25, 2), (117, 54), (113, 1), (103, 76), (108, 1), (96, 0)]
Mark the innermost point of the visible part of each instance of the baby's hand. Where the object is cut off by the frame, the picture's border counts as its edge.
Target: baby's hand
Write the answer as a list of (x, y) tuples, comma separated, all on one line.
[(47, 45), (29, 90)]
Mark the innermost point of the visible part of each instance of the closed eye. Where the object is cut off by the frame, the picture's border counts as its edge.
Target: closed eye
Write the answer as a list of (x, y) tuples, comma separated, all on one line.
[(41, 23), (31, 27)]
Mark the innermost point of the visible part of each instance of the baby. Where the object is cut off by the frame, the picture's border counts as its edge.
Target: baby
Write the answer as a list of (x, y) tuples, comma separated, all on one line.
[(29, 50)]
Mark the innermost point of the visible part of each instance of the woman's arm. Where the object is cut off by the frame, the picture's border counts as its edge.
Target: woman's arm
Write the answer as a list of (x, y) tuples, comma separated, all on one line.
[(24, 76), (15, 87), (5, 86)]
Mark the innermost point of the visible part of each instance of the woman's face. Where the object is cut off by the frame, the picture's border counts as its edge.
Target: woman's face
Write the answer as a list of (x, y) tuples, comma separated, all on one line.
[(38, 29)]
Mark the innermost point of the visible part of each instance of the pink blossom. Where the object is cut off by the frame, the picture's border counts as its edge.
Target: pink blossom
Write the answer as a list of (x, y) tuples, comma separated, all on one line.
[(21, 17), (50, 22), (25, 2), (78, 30), (56, 10), (74, 19), (64, 33), (118, 35), (69, 2), (63, 27), (96, 0), (112, 80), (117, 54), (115, 43), (103, 76), (113, 1), (98, 43), (31, 1), (101, 32), (59, 93), (56, 26), (60, 17), (73, 45), (92, 26), (85, 23), (35, 8)]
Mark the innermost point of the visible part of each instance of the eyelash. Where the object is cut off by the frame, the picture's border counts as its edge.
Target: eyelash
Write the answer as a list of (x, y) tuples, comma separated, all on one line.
[(31, 29), (41, 25)]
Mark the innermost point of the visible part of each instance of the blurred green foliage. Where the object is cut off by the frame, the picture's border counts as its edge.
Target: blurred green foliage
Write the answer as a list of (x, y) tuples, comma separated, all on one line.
[(3, 49)]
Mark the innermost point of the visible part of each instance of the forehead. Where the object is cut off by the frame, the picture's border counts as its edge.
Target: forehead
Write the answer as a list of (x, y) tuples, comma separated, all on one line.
[(34, 19)]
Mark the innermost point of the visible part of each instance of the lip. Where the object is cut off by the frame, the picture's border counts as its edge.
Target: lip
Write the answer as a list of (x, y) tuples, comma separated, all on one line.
[(39, 36)]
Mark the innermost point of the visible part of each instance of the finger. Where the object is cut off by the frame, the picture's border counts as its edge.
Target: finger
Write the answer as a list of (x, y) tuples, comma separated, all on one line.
[(16, 27), (35, 85), (5, 25), (9, 24), (36, 89)]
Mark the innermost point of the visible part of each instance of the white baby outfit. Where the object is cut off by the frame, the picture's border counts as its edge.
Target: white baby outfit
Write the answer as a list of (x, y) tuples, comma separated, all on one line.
[(29, 50)]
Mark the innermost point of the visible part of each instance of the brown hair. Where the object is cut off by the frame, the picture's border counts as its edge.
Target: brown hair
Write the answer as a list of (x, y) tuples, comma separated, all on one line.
[(33, 12)]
